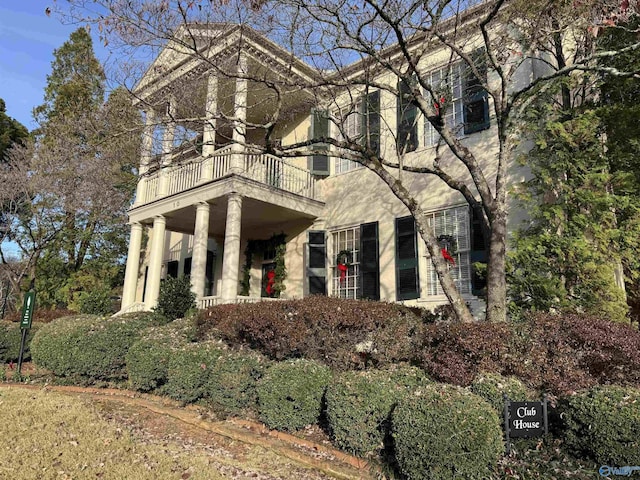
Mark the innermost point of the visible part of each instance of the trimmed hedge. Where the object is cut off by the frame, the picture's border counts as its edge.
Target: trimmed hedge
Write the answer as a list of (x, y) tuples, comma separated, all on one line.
[(148, 359), (344, 334), (604, 424), (359, 406), (492, 387), (290, 394), (555, 354), (189, 370), (445, 432), (457, 352), (563, 354), (87, 347), (232, 382), (10, 338)]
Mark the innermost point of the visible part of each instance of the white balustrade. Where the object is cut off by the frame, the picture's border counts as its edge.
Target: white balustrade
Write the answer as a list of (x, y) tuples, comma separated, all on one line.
[(212, 301), (262, 167)]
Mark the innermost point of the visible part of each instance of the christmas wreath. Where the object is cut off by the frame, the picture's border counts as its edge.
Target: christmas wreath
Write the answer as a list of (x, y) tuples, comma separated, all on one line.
[(343, 262), (448, 247)]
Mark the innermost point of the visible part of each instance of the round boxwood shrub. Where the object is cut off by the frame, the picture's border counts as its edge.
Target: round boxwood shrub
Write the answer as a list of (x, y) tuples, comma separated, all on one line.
[(444, 432), (604, 424), (359, 405), (232, 381), (189, 370), (493, 386), (87, 347), (10, 338), (148, 359), (175, 298), (290, 394)]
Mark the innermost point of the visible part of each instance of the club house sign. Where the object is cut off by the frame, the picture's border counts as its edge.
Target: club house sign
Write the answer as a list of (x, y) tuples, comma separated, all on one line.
[(525, 419), (528, 420)]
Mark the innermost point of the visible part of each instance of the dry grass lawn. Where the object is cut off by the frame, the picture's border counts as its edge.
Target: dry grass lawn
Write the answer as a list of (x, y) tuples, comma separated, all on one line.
[(50, 435)]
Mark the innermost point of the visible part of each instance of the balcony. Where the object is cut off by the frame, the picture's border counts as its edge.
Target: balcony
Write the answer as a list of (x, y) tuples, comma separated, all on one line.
[(190, 170)]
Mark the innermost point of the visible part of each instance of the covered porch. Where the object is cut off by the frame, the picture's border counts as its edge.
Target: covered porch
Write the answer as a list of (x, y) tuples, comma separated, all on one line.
[(231, 210)]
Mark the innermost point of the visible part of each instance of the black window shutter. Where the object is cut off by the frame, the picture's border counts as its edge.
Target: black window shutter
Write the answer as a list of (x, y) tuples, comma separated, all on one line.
[(186, 269), (369, 261), (319, 161), (478, 252), (407, 281), (172, 269), (211, 260), (475, 97), (317, 263), (372, 121), (407, 112)]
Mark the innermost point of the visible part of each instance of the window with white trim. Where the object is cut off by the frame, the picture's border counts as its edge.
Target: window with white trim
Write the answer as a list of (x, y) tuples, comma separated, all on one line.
[(453, 222), (347, 285), (447, 84), (352, 128)]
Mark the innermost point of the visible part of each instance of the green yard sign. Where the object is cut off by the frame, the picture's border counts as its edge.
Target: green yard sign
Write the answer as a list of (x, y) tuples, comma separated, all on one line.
[(27, 309)]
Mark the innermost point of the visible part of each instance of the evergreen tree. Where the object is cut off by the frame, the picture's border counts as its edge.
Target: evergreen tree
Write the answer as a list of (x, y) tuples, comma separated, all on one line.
[(11, 131), (580, 251)]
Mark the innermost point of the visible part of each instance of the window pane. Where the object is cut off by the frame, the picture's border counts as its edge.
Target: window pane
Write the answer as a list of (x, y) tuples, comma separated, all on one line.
[(454, 222)]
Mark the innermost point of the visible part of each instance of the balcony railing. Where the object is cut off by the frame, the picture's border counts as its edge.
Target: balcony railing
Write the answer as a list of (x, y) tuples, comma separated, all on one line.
[(262, 167)]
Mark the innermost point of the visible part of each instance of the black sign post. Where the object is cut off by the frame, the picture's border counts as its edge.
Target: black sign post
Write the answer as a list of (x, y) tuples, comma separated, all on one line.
[(25, 322), (524, 420)]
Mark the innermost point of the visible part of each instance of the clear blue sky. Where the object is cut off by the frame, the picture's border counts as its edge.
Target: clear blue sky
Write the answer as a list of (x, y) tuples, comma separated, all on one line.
[(28, 38)]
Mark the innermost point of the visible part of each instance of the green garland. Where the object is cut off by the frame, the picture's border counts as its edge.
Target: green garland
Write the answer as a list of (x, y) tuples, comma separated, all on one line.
[(277, 243)]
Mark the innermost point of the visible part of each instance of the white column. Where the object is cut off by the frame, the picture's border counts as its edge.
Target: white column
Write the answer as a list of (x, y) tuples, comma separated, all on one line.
[(231, 256), (210, 112), (167, 147), (240, 113), (131, 270), (199, 256), (146, 155), (155, 262)]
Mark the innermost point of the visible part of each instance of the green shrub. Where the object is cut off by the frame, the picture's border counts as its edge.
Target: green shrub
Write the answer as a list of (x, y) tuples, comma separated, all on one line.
[(445, 432), (344, 334), (96, 301), (232, 382), (359, 405), (604, 424), (189, 370), (175, 298), (88, 347), (148, 359), (10, 338), (290, 394), (492, 387)]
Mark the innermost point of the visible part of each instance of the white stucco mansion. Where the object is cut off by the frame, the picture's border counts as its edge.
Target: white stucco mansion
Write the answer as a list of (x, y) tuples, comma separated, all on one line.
[(204, 193)]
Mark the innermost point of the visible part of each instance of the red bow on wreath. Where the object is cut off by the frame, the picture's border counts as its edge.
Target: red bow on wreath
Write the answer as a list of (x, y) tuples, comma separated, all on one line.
[(343, 271), (343, 262), (439, 105), (271, 280), (447, 256)]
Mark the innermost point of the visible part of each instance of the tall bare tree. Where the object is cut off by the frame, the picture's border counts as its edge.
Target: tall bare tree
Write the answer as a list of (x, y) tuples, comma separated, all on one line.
[(357, 47), (72, 183)]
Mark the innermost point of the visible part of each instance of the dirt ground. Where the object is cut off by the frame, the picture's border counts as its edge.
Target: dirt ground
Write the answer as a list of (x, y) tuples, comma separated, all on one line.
[(234, 445)]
